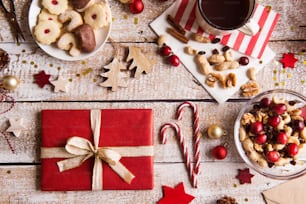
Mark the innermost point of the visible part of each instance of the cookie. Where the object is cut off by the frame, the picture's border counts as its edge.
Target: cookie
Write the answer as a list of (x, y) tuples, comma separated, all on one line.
[(55, 6), (98, 15), (68, 42), (81, 5), (86, 37), (74, 18), (46, 32), (44, 15)]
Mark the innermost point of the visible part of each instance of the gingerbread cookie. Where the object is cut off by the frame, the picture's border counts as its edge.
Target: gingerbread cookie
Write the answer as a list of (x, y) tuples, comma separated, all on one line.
[(55, 6), (98, 15), (46, 32), (74, 18)]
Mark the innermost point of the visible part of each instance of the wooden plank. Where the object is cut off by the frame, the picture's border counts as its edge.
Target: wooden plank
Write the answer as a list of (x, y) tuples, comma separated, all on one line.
[(27, 146), (135, 28), (27, 60), (21, 184)]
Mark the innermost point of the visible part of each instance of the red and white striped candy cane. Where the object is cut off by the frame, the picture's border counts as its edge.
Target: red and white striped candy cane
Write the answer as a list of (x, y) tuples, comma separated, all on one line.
[(177, 129), (196, 130)]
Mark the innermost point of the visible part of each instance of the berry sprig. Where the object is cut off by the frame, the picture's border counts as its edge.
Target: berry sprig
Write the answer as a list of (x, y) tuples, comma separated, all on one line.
[(173, 59)]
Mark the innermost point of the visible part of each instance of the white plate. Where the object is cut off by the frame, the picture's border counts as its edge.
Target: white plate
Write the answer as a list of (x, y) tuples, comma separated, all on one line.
[(101, 35)]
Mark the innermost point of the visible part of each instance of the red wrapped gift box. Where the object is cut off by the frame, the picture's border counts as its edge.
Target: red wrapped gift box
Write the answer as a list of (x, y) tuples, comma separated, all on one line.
[(122, 129)]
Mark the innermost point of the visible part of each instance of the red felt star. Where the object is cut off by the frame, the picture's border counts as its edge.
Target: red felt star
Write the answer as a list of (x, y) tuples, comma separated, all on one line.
[(288, 60), (175, 195), (244, 176), (42, 79)]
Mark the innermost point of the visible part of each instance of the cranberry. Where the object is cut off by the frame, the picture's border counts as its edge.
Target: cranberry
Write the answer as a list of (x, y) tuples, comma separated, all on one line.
[(292, 149), (265, 102), (282, 138), (256, 127), (298, 125), (165, 50), (274, 121), (272, 156), (261, 139), (279, 108), (219, 152), (243, 60), (174, 60)]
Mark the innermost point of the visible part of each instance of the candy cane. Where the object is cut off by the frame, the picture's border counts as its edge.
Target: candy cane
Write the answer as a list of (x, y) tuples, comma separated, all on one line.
[(196, 130), (175, 126)]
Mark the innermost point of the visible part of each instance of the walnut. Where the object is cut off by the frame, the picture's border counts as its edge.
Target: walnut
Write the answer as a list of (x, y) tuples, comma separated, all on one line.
[(212, 78), (248, 118), (250, 89), (227, 200), (230, 80)]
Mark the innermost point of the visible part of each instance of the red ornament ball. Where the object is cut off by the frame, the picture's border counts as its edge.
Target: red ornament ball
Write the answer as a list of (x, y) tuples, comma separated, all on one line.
[(165, 51), (174, 60), (219, 152), (136, 6)]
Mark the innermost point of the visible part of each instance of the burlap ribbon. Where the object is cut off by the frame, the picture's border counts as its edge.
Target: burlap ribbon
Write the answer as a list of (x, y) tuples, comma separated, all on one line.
[(78, 150)]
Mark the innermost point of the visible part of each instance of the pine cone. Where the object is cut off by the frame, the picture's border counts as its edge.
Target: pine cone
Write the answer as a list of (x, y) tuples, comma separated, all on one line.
[(4, 59), (227, 200)]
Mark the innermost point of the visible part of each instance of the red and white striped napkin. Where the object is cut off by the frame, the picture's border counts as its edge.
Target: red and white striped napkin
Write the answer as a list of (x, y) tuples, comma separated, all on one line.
[(250, 45)]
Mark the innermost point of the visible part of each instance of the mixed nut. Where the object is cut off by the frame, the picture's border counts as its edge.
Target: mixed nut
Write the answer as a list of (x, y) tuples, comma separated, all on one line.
[(273, 132)]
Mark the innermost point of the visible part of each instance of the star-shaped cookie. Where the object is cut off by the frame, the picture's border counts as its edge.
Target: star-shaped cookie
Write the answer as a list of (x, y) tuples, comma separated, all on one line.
[(42, 79), (175, 195), (60, 85), (16, 126), (288, 60), (244, 176)]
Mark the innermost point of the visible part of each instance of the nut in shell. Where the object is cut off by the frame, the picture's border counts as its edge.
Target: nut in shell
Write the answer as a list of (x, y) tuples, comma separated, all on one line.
[(249, 89)]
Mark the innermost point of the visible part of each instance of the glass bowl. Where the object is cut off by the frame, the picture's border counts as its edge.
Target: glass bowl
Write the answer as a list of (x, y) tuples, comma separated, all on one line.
[(291, 169)]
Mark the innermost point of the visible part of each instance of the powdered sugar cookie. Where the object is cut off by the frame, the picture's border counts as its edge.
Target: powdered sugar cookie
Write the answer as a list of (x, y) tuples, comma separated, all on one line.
[(44, 15), (74, 18), (68, 42), (98, 15), (46, 32), (55, 6)]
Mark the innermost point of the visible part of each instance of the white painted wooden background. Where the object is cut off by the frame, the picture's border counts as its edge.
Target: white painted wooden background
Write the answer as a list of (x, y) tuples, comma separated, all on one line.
[(162, 90)]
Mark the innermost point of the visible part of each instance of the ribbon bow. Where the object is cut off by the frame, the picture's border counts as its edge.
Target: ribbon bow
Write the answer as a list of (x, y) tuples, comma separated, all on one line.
[(83, 149)]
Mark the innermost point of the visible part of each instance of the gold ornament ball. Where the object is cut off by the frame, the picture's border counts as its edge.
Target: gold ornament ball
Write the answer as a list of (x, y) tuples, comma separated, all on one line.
[(10, 82), (215, 132)]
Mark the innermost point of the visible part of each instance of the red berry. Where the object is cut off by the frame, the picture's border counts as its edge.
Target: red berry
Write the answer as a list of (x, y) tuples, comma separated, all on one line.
[(292, 149), (256, 127), (261, 139), (265, 102), (282, 138), (274, 120), (174, 60), (272, 156), (243, 60), (298, 125), (136, 6), (219, 152), (279, 108), (165, 50)]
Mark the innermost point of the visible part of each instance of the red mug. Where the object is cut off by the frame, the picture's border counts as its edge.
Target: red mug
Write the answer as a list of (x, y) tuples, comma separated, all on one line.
[(221, 17)]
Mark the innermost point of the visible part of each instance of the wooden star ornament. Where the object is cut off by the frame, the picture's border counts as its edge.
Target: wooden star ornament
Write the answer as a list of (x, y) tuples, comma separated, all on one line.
[(175, 195), (288, 60), (244, 176), (42, 79), (16, 126), (59, 85)]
